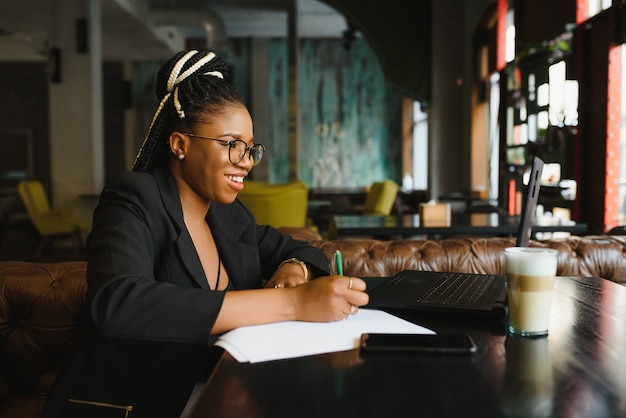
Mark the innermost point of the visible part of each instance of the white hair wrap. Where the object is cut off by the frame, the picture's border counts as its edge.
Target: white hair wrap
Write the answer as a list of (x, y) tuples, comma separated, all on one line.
[(173, 80), (215, 74)]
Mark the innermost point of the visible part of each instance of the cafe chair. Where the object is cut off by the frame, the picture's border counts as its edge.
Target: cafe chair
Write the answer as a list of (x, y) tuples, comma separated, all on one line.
[(381, 198), (51, 224), (277, 205)]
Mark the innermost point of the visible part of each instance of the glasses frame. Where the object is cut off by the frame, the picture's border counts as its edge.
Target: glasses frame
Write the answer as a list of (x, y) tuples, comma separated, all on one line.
[(233, 144)]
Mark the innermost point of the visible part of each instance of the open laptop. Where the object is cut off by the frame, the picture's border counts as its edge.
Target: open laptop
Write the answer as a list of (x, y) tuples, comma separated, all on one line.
[(473, 294)]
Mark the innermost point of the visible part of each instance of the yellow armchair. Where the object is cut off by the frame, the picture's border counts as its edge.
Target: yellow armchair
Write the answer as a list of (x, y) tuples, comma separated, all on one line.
[(380, 198), (277, 205), (49, 223)]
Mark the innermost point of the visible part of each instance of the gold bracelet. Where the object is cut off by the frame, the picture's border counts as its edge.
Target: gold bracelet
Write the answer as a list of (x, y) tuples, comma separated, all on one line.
[(301, 263)]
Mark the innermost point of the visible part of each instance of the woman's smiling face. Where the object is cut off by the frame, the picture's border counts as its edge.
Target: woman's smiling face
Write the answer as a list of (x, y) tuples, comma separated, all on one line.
[(206, 169)]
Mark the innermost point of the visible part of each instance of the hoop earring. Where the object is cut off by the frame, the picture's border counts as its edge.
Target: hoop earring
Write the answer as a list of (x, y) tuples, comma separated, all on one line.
[(181, 157)]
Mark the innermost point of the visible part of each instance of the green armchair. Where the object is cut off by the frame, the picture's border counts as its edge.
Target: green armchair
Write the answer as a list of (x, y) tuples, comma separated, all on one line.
[(278, 205), (380, 198)]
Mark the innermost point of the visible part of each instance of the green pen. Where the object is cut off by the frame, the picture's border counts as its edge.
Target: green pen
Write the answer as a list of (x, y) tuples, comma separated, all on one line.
[(338, 263)]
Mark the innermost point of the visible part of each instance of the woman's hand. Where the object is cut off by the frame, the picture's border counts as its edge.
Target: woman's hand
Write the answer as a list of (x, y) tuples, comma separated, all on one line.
[(329, 298)]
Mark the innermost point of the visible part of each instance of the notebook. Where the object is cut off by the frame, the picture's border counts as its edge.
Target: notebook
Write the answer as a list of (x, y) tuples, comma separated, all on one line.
[(468, 293)]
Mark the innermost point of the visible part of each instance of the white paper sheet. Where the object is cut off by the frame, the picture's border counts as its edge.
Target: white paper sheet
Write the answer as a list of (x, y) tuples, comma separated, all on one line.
[(295, 339)]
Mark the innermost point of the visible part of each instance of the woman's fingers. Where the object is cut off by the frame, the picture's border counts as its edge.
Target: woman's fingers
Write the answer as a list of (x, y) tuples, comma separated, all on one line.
[(354, 283), (356, 295)]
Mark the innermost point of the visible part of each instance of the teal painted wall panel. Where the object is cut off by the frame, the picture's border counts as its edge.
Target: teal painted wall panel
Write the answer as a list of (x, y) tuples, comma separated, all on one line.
[(350, 118)]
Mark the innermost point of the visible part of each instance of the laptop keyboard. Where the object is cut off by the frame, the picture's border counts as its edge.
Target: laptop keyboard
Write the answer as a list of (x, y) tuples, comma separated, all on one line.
[(458, 289)]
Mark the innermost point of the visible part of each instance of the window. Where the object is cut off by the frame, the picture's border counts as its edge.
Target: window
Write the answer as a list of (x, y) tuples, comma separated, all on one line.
[(596, 6), (420, 149)]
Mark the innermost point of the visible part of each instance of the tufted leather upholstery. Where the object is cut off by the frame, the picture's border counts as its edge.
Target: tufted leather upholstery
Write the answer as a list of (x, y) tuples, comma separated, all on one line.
[(40, 303), (600, 256), (39, 310)]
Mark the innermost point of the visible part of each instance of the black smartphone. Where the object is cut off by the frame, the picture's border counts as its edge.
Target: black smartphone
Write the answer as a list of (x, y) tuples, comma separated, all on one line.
[(417, 343)]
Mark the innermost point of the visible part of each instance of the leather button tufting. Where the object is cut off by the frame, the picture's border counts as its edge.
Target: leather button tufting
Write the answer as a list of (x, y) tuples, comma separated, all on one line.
[(55, 283)]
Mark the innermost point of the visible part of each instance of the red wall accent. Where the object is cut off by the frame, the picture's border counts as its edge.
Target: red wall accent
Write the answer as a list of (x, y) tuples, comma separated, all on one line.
[(614, 88)]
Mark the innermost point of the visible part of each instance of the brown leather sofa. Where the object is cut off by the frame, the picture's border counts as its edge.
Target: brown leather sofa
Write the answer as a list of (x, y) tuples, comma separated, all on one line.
[(40, 303)]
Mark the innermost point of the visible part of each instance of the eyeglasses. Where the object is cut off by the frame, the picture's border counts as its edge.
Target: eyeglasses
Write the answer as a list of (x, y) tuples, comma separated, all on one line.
[(237, 149)]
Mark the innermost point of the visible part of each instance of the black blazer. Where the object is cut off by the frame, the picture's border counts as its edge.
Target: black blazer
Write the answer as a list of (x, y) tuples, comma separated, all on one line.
[(145, 280)]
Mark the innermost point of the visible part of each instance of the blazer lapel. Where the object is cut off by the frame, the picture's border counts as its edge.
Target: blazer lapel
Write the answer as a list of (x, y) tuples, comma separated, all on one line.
[(186, 249)]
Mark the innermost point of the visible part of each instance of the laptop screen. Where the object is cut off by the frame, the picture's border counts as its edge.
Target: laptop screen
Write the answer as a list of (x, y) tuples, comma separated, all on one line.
[(530, 205)]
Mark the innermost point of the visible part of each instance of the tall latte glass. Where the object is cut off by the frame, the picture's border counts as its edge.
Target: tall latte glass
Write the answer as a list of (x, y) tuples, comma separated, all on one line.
[(530, 276)]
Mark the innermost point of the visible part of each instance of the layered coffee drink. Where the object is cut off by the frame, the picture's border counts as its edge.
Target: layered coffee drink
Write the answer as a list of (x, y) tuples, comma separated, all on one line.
[(530, 276)]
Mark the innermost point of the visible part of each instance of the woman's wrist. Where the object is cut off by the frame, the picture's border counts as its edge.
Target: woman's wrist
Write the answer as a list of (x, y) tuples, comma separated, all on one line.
[(303, 266)]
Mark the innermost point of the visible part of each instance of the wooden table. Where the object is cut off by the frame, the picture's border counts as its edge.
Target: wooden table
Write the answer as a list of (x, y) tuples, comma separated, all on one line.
[(579, 370), (481, 224)]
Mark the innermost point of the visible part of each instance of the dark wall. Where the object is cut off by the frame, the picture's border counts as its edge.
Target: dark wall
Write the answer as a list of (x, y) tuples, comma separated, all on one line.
[(24, 106), (117, 98), (541, 20)]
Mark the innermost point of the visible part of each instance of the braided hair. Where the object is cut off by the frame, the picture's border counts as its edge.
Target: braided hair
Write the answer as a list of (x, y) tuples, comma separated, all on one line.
[(189, 86)]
